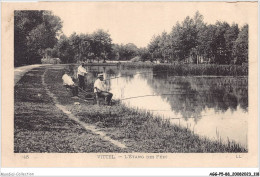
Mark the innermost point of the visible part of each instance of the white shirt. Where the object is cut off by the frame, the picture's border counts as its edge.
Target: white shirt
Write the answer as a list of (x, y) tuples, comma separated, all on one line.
[(81, 70), (67, 80), (100, 85)]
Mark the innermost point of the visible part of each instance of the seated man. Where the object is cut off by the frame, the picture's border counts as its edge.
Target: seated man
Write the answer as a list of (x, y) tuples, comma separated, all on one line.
[(101, 90), (68, 82)]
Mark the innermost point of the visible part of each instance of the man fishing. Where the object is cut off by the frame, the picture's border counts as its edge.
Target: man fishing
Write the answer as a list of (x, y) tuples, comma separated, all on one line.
[(68, 83), (100, 90), (81, 73)]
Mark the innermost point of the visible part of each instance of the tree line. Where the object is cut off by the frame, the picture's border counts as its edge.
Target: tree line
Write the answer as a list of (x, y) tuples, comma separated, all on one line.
[(38, 34), (194, 41), (97, 46)]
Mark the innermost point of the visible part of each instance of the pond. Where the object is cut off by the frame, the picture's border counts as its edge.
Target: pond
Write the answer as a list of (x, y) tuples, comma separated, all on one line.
[(212, 107)]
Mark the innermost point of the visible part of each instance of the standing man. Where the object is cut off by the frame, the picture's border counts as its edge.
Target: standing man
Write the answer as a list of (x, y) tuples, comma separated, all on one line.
[(100, 89), (81, 73)]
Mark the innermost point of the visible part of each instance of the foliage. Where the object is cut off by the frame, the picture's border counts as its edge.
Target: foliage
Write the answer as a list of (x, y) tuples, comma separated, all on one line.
[(144, 54), (38, 34), (102, 44), (193, 41), (64, 50), (34, 32), (76, 48), (50, 61), (240, 48), (125, 52)]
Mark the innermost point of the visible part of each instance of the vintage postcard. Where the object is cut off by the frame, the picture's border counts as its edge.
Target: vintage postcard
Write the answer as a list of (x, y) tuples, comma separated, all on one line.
[(130, 84)]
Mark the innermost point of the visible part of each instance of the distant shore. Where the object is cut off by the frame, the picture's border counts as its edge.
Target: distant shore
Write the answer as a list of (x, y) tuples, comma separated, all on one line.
[(182, 69)]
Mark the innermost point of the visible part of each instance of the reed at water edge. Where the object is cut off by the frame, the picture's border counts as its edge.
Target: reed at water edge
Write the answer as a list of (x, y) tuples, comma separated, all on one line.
[(193, 69)]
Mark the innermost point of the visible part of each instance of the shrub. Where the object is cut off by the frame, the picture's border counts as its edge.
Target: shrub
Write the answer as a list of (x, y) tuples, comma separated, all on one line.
[(50, 61)]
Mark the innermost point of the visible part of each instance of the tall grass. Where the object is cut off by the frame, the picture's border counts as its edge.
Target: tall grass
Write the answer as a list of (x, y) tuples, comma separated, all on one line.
[(193, 69), (145, 132)]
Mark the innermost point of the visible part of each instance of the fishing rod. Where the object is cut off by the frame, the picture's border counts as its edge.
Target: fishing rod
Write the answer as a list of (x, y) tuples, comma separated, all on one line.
[(194, 117), (83, 90), (165, 94), (135, 96)]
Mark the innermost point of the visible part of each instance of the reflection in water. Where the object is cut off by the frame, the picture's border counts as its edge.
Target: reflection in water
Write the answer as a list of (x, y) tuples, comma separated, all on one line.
[(210, 106)]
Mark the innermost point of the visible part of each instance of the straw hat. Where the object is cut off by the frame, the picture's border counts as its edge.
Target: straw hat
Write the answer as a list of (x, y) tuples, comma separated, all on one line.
[(100, 75)]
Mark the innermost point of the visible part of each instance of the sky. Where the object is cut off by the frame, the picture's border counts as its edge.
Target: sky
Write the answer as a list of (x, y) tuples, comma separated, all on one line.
[(135, 22)]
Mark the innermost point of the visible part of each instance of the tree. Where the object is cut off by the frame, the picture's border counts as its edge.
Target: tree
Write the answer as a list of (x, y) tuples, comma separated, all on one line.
[(200, 27), (240, 49), (221, 56), (65, 50), (207, 42), (144, 54), (188, 36), (192, 40), (125, 52), (183, 38), (176, 42), (85, 46), (74, 42), (34, 32), (231, 35), (130, 50), (165, 46), (154, 47), (115, 54), (24, 22), (102, 44)]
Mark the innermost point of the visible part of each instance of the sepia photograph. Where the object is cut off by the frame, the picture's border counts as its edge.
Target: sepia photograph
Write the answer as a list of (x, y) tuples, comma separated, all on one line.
[(132, 80)]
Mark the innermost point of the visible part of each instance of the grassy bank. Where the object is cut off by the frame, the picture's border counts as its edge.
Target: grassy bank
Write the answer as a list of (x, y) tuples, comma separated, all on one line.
[(139, 131), (39, 126), (193, 69)]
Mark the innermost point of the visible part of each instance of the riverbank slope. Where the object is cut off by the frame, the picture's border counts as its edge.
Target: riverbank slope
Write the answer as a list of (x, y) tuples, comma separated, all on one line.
[(139, 131)]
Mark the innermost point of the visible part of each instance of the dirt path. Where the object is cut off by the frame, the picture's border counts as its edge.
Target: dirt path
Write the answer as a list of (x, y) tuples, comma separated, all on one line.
[(20, 71), (94, 140), (89, 127)]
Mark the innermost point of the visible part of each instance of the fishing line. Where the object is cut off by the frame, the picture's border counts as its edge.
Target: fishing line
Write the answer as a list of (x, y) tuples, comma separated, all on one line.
[(194, 117)]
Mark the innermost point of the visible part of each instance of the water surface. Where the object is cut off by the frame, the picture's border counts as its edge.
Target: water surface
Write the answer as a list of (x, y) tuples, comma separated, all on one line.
[(214, 107)]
